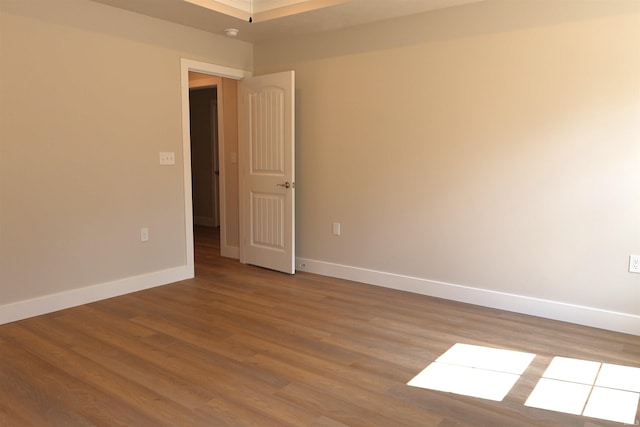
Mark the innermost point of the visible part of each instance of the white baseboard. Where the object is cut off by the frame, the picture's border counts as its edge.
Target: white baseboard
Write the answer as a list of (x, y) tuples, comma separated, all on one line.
[(230, 251), (60, 301), (587, 316)]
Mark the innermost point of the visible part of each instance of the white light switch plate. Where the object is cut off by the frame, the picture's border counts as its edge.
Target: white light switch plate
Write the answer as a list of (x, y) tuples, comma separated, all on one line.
[(167, 158), (634, 264)]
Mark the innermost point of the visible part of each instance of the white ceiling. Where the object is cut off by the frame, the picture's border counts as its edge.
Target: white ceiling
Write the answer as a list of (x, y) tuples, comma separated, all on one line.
[(338, 14)]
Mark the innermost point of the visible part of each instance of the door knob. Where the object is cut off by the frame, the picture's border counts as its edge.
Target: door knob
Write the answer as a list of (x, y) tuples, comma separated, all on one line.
[(285, 185)]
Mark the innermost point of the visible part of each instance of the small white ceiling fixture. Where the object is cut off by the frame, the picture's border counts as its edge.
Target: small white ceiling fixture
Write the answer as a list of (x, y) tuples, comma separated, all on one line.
[(232, 32), (263, 10)]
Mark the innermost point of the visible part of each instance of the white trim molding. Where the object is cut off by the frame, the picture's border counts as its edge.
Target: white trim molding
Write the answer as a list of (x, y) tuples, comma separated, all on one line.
[(72, 298), (230, 251), (571, 313)]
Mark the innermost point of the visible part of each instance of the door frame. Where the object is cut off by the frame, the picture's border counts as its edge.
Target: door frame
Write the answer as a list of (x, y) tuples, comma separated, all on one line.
[(187, 65)]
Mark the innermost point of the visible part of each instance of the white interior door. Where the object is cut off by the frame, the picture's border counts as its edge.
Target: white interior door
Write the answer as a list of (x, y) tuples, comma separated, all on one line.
[(267, 171)]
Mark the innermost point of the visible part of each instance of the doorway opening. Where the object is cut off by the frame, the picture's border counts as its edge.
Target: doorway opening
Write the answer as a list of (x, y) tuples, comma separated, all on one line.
[(214, 171), (205, 172), (196, 78)]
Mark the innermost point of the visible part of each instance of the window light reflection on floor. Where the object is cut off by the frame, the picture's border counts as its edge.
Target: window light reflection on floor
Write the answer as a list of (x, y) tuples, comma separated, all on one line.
[(476, 371), (573, 386), (592, 389)]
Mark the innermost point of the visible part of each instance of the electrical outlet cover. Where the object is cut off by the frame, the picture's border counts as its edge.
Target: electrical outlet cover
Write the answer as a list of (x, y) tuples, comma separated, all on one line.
[(634, 264)]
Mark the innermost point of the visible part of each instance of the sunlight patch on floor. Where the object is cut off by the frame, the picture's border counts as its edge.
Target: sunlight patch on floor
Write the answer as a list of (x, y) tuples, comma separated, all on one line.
[(476, 371), (592, 389)]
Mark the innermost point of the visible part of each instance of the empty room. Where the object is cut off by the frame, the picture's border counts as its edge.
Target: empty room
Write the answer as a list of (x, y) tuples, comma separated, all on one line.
[(422, 213)]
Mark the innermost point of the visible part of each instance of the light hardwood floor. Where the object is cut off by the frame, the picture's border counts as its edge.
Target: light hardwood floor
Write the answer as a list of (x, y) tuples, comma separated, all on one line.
[(243, 346)]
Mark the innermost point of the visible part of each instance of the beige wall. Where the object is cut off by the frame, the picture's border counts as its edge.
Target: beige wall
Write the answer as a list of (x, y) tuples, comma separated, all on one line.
[(230, 137), (89, 96), (495, 146)]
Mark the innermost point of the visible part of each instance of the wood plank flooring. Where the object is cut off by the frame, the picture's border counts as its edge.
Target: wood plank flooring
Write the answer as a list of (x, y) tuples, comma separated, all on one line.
[(243, 346)]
